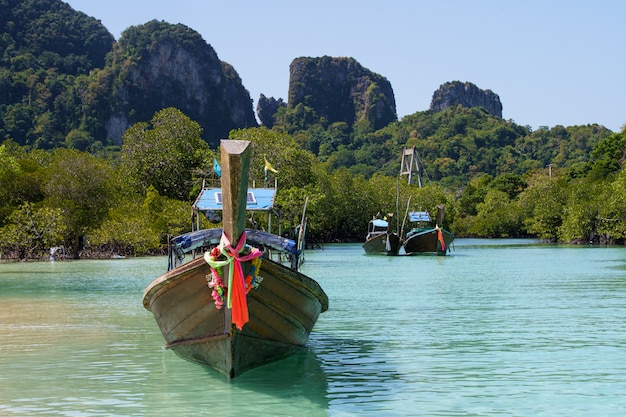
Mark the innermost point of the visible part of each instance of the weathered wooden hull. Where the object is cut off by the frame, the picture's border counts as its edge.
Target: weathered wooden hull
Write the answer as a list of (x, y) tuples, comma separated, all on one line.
[(427, 241), (282, 311), (382, 244)]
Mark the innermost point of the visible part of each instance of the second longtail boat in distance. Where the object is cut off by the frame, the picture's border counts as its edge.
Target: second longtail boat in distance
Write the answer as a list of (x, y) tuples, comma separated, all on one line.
[(426, 238), (423, 237), (380, 239)]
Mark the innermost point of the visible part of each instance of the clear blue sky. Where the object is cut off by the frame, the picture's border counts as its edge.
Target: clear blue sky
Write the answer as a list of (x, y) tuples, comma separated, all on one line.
[(551, 62)]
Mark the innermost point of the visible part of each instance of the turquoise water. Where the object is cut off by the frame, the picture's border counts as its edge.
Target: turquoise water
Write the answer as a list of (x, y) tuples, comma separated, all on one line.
[(499, 328)]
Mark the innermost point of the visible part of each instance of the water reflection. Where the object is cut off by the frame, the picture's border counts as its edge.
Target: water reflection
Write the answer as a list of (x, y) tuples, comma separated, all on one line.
[(359, 373), (292, 387)]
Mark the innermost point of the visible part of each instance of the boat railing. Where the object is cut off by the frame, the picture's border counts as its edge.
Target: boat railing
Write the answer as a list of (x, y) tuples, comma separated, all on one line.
[(277, 248), (419, 217)]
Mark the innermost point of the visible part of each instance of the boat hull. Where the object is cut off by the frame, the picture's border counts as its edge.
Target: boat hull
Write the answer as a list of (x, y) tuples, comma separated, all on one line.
[(426, 240), (282, 313), (382, 244)]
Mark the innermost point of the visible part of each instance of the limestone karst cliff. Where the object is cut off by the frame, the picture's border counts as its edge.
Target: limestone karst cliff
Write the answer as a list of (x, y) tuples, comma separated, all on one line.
[(341, 90), (164, 65), (467, 95), (266, 108)]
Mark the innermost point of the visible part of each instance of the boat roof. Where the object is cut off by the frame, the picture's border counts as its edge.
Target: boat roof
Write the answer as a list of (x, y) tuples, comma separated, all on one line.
[(210, 199), (379, 222), (419, 216)]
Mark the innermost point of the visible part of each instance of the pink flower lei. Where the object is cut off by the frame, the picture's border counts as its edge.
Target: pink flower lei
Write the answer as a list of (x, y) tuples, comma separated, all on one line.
[(216, 283)]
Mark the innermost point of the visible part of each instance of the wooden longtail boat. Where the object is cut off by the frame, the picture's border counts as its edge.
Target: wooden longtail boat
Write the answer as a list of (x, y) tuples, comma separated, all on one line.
[(280, 310), (424, 238), (380, 239)]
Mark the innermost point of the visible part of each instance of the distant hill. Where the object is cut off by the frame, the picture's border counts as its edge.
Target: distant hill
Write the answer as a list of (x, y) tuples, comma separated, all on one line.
[(45, 34), (332, 90), (66, 82), (465, 94), (159, 65), (341, 90)]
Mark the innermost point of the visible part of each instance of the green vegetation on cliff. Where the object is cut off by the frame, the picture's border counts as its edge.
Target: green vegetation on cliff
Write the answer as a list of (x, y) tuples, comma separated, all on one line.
[(65, 82)]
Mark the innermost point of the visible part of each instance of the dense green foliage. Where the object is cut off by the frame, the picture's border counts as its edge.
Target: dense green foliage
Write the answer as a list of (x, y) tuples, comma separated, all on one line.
[(83, 202), (62, 183), (456, 144), (130, 202), (165, 156), (48, 52)]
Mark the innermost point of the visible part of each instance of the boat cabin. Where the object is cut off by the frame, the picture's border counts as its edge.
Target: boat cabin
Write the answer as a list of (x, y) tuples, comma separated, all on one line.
[(377, 227)]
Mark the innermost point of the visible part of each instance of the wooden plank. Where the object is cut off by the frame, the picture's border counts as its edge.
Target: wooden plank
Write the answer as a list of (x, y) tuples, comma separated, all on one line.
[(235, 167)]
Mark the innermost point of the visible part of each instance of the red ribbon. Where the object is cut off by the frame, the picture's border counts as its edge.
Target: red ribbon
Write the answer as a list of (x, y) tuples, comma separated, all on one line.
[(440, 236)]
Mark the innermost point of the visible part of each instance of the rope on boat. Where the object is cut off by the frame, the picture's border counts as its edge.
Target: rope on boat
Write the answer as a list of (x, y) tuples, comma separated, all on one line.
[(227, 255)]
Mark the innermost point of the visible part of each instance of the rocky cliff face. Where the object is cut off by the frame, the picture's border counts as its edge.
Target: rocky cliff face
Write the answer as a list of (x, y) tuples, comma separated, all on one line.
[(164, 65), (341, 90), (266, 108), (465, 94)]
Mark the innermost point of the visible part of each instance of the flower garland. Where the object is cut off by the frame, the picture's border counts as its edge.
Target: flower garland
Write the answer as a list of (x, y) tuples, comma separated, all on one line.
[(238, 285), (252, 279), (216, 283)]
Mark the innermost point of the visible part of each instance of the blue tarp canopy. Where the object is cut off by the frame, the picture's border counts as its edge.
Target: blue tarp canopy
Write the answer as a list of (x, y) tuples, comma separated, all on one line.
[(419, 216), (210, 199)]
